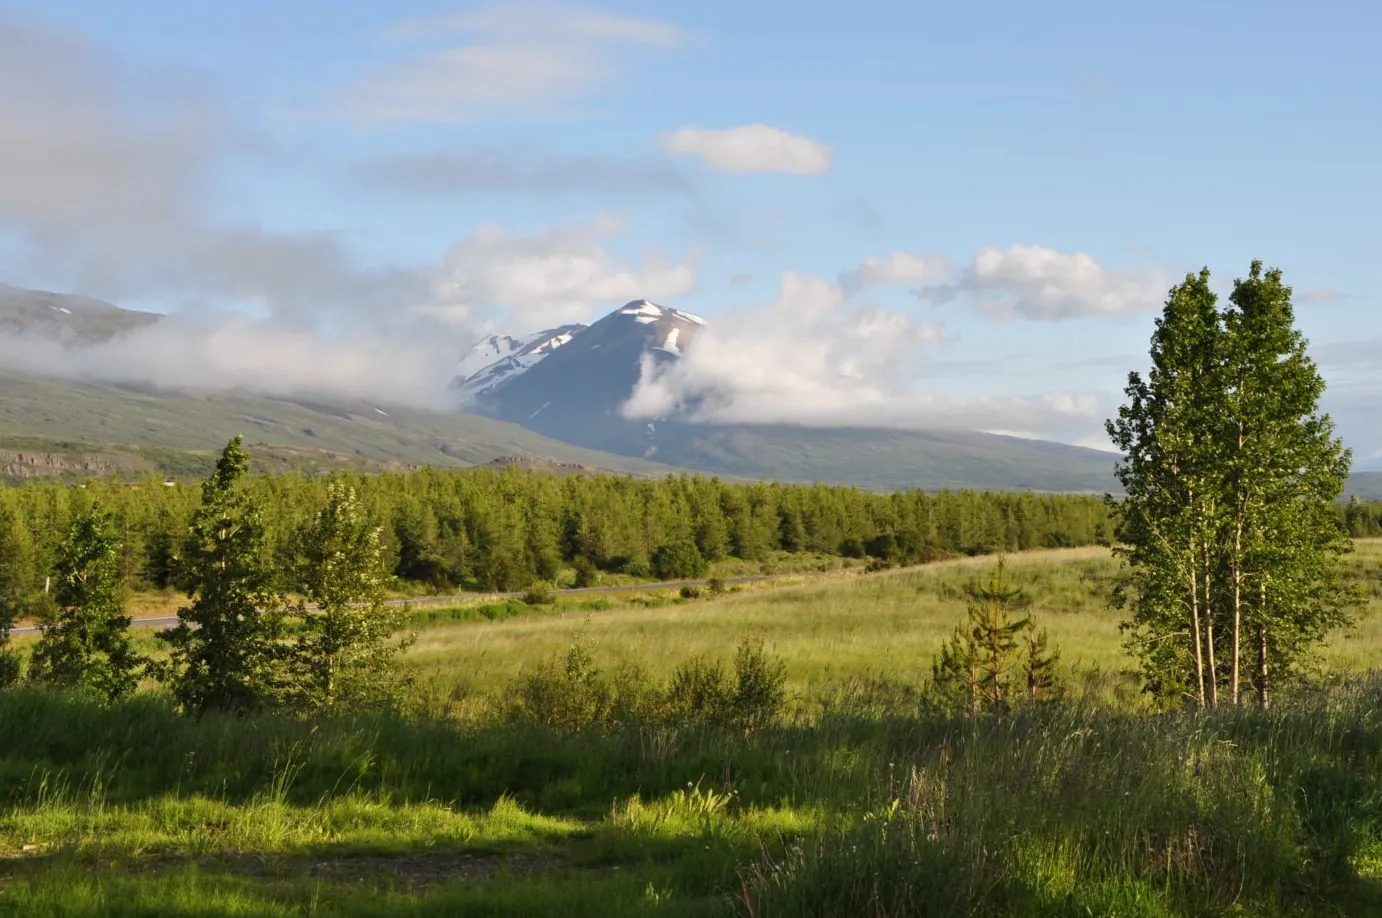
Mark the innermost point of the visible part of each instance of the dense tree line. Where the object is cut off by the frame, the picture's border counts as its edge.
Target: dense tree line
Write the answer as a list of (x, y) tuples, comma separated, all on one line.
[(1363, 519), (505, 529)]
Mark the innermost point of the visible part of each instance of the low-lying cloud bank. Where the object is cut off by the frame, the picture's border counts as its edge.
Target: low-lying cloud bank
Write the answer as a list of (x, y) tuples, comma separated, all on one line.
[(250, 355), (816, 357)]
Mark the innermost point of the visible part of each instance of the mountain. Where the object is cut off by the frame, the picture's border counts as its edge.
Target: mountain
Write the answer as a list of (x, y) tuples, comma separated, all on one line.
[(65, 318), (499, 357), (573, 393)]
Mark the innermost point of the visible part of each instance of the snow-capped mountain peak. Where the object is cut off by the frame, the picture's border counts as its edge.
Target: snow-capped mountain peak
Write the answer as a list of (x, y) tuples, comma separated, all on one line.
[(647, 312), (496, 358), (575, 371)]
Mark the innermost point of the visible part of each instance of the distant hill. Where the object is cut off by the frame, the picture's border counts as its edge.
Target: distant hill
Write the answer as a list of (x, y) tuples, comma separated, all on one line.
[(65, 318), (168, 431), (888, 459), (1365, 485), (125, 429)]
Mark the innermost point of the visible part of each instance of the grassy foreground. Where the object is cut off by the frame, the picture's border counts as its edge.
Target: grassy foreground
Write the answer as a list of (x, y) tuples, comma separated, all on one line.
[(858, 801)]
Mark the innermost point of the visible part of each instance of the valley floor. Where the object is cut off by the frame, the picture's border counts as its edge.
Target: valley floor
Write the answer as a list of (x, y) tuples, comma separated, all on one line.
[(858, 801)]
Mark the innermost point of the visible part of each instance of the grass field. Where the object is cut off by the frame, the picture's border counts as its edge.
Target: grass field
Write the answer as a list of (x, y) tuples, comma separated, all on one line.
[(858, 801), (884, 625)]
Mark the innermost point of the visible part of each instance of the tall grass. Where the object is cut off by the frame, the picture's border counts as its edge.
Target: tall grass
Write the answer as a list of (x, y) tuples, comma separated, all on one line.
[(868, 806), (855, 798)]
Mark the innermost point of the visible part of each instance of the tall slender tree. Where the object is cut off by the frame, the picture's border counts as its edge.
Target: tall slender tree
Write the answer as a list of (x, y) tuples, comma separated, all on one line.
[(1230, 474), (226, 650), (1284, 471), (344, 653), (87, 642), (1167, 516), (18, 585)]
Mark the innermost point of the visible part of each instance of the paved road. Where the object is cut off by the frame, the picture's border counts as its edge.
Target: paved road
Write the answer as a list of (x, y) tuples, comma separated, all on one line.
[(168, 621)]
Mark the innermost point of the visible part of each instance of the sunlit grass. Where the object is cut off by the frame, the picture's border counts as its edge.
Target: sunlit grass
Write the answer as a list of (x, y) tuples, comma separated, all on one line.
[(862, 805), (885, 625), (197, 826)]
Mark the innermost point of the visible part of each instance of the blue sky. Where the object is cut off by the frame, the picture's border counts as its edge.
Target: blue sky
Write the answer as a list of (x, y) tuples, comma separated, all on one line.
[(425, 171)]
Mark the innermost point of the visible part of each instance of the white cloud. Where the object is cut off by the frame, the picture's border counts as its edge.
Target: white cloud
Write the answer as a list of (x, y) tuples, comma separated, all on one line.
[(106, 179), (895, 268), (550, 277), (502, 58), (750, 148), (812, 357), (1044, 285), (257, 355)]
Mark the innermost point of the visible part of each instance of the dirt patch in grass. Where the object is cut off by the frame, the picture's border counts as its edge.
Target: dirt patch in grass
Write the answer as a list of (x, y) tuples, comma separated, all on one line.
[(414, 872), (411, 872)]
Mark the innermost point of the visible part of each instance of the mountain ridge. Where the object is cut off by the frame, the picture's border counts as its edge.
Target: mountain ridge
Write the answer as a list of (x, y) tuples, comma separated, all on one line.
[(66, 318), (576, 392), (556, 401)]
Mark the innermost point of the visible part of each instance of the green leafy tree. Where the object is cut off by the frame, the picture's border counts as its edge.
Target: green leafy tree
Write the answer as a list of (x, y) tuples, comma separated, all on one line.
[(1231, 474), (1168, 516), (87, 642), (17, 586), (226, 650), (1284, 471), (345, 655), (995, 661)]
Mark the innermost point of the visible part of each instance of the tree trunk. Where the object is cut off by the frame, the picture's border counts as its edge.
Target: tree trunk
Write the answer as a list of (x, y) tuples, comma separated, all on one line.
[(1209, 632), (1263, 695), (1237, 572), (1195, 624)]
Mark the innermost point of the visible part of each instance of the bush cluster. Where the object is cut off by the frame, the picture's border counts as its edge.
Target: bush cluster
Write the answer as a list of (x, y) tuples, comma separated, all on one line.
[(574, 694)]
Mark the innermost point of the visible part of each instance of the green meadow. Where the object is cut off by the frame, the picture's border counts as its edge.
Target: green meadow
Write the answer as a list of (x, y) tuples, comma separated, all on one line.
[(856, 797)]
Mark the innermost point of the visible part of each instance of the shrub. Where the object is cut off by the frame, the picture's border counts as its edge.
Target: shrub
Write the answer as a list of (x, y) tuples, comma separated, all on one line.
[(760, 689), (539, 594), (716, 586), (11, 667), (679, 560), (692, 592), (698, 694), (635, 567), (884, 547), (568, 697), (587, 574)]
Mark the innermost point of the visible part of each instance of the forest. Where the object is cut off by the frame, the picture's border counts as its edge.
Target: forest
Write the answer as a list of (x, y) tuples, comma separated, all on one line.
[(503, 530)]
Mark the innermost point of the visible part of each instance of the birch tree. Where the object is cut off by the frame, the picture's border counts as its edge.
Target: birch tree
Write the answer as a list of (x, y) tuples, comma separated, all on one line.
[(1231, 474)]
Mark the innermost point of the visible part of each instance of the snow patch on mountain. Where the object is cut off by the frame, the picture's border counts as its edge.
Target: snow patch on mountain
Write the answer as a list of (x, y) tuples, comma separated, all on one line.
[(649, 312), (670, 345), (496, 358)]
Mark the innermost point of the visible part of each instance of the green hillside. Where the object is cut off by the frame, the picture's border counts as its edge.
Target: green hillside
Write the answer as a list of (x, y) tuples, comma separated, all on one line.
[(53, 427), (890, 459), (73, 429)]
